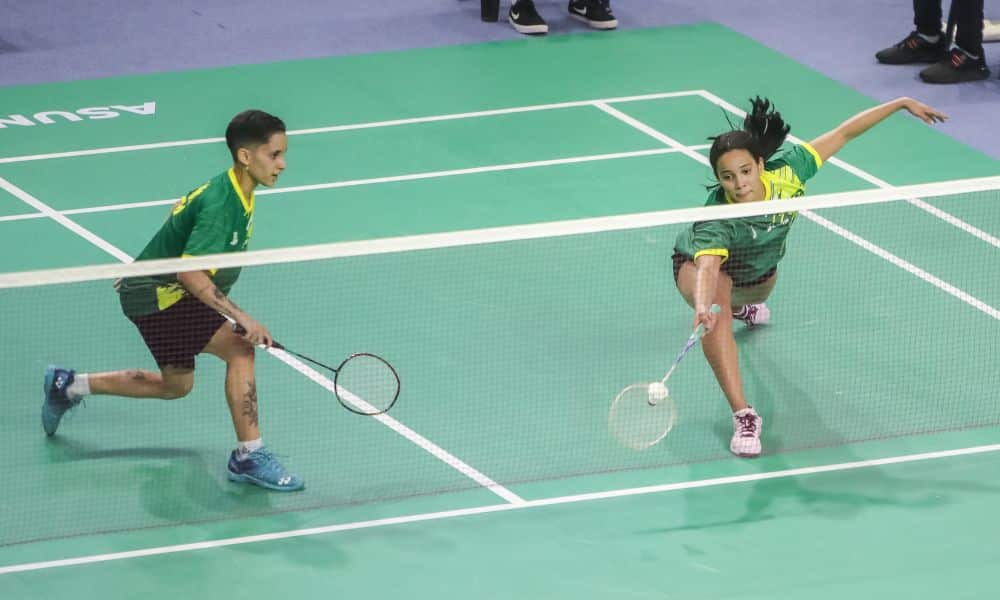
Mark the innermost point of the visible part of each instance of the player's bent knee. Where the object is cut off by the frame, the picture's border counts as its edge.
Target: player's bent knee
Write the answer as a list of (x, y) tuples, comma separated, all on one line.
[(241, 352), (176, 387)]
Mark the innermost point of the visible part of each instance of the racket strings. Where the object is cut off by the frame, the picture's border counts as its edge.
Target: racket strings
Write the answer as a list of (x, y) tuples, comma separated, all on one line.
[(367, 384), (636, 422)]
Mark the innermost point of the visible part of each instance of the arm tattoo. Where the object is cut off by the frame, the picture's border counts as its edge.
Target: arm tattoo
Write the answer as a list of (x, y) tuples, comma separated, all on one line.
[(223, 303), (250, 403)]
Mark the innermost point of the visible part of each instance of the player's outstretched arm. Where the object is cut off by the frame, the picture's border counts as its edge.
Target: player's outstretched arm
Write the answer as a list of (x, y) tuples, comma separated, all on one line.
[(832, 141)]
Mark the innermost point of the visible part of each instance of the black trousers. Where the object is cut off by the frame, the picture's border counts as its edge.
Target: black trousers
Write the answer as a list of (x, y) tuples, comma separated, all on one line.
[(968, 15)]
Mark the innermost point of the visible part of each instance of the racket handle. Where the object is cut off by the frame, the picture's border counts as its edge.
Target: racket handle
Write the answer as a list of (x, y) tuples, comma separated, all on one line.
[(699, 331), (241, 330)]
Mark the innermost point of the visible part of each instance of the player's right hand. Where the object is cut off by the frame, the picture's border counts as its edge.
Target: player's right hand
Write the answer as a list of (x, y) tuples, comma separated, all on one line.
[(255, 333), (705, 317)]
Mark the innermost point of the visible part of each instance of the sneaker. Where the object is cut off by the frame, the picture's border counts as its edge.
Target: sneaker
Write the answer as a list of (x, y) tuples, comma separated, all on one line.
[(525, 19), (596, 13), (746, 433), (261, 468), (957, 67), (753, 315), (914, 49), (57, 401)]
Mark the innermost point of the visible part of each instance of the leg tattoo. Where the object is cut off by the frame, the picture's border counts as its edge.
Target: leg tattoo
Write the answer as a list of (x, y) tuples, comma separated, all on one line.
[(250, 403)]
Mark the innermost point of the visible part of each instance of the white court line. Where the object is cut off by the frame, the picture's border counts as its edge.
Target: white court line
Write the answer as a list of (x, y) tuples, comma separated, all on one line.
[(873, 248), (48, 211), (435, 450), (291, 361), (351, 127), (861, 174), (905, 265), (479, 510), (377, 180)]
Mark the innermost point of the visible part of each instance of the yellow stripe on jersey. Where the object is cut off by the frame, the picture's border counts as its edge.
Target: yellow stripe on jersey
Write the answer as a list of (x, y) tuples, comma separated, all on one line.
[(723, 252), (183, 202), (815, 155), (782, 183), (247, 205)]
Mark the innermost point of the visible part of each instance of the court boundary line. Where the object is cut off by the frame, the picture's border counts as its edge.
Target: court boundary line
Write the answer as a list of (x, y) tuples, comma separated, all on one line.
[(378, 180), (406, 432), (598, 103), (493, 508), (356, 126), (396, 426), (47, 211)]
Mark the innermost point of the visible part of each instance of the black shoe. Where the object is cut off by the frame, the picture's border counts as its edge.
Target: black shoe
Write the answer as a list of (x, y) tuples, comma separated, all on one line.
[(914, 49), (956, 68), (525, 19), (596, 13)]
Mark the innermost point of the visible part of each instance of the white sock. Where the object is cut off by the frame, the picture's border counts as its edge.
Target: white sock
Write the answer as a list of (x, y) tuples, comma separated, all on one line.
[(243, 449), (79, 387), (933, 39)]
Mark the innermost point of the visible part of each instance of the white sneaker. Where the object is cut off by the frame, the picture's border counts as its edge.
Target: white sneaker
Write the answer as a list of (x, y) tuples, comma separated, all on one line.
[(746, 433), (753, 314)]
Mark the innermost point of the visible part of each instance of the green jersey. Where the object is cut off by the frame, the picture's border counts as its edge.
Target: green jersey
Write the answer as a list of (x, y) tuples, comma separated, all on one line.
[(212, 219), (752, 246)]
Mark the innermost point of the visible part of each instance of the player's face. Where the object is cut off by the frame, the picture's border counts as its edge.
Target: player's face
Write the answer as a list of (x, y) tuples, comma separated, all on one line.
[(739, 174), (267, 161)]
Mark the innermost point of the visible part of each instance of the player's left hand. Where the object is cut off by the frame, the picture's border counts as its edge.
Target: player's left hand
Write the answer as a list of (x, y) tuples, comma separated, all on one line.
[(923, 112)]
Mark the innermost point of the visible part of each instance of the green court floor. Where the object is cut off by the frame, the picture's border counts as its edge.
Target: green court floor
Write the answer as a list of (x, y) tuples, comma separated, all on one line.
[(509, 352)]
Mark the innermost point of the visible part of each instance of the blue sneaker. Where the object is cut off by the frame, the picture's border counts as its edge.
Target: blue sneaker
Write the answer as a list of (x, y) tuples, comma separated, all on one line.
[(263, 469), (57, 402)]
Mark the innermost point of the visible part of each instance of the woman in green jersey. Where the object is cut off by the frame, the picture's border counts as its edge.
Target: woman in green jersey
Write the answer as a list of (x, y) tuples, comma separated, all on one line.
[(734, 262), (185, 314)]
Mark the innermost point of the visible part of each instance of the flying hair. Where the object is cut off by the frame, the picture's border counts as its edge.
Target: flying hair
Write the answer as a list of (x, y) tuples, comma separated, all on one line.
[(763, 132)]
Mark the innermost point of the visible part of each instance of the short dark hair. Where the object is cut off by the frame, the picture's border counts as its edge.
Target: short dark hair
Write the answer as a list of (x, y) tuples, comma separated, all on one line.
[(251, 128)]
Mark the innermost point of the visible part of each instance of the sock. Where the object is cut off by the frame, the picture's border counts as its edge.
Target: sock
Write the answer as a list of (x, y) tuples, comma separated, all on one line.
[(931, 39), (79, 387), (243, 449)]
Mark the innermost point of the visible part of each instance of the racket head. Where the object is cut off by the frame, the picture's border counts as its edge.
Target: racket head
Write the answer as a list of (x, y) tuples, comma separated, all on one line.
[(366, 384), (638, 420)]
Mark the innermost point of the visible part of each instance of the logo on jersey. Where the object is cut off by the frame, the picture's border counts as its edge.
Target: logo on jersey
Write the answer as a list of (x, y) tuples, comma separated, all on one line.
[(183, 202)]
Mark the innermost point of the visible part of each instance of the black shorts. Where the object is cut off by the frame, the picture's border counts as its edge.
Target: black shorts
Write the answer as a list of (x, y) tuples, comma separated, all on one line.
[(679, 259), (174, 336)]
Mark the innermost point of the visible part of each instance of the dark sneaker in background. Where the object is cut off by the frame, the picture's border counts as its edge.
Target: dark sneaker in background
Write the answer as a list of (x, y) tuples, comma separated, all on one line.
[(525, 19), (595, 13), (914, 49), (957, 67)]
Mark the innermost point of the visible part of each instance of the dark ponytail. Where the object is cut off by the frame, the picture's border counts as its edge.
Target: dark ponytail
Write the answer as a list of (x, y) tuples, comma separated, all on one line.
[(764, 131)]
